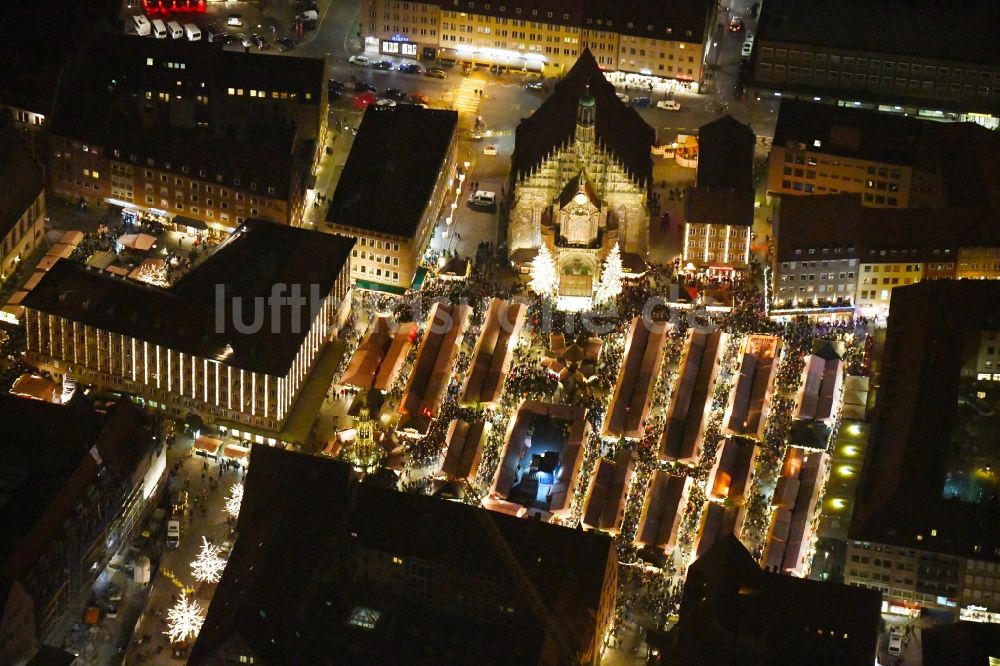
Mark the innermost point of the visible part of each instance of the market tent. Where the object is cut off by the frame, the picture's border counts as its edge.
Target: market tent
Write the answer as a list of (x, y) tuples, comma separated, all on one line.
[(71, 237), (60, 250)]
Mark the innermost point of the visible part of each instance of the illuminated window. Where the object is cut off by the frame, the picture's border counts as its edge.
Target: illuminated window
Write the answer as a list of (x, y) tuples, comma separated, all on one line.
[(232, 91)]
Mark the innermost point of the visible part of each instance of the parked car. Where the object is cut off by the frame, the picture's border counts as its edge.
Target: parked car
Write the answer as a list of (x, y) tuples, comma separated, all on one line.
[(173, 533), (260, 42), (435, 73), (419, 98), (384, 65), (409, 68), (359, 60), (736, 25), (895, 643), (747, 48), (622, 96), (235, 20), (490, 150), (395, 95), (361, 87), (385, 102), (114, 592), (334, 84), (286, 43), (536, 86), (112, 611), (668, 105), (642, 102)]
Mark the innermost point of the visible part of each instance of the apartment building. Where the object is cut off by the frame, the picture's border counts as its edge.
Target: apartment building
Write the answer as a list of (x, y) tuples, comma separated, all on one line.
[(893, 161), (833, 250), (881, 54), (79, 484), (917, 535), (666, 38), (22, 204), (399, 573), (718, 211), (183, 119), (394, 189), (189, 348)]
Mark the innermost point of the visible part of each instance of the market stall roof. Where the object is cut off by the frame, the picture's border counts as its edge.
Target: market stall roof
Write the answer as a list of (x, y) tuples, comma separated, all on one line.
[(34, 386), (46, 262), (117, 270), (33, 281), (60, 250), (17, 297), (207, 444), (101, 259), (236, 451), (140, 242), (71, 237), (190, 222)]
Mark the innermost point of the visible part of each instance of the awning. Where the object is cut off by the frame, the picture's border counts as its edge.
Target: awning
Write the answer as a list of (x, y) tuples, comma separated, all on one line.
[(207, 444), (190, 222), (378, 286), (418, 278), (236, 451)]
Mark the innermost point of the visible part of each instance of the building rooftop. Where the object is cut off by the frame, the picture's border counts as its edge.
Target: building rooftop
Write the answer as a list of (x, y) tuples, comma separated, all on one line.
[(920, 28), (837, 226), (734, 612), (619, 128), (850, 132), (291, 542), (256, 256), (120, 76), (725, 155), (46, 463), (392, 169), (263, 161), (673, 20), (21, 180), (900, 498)]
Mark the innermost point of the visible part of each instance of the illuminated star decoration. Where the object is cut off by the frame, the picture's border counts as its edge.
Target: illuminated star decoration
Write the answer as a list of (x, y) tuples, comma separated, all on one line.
[(234, 500), (208, 566), (184, 620)]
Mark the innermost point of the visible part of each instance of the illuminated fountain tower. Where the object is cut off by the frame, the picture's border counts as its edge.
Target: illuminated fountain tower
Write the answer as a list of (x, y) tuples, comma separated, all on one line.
[(365, 454)]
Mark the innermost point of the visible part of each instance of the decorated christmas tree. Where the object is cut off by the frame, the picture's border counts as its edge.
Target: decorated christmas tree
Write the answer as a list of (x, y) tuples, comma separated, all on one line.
[(544, 280), (611, 277)]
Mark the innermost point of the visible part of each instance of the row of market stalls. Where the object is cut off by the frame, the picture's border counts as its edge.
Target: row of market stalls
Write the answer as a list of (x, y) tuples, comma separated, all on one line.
[(494, 351), (13, 311), (636, 379), (682, 436)]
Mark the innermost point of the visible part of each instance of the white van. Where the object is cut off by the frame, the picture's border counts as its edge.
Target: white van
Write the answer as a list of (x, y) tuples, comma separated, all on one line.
[(159, 30), (175, 30), (192, 32), (141, 24), (173, 533), (483, 200)]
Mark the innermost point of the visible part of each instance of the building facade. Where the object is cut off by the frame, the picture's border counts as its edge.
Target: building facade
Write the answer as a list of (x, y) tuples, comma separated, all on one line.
[(85, 498), (22, 206), (393, 226), (955, 68), (664, 39), (229, 377), (181, 121), (581, 189)]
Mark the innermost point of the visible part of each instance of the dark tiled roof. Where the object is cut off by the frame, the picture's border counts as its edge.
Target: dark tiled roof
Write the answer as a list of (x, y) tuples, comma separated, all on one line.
[(849, 132), (261, 161), (257, 256), (619, 128), (725, 155), (392, 169), (901, 491), (919, 28), (20, 181), (45, 467), (906, 234), (706, 206), (293, 547), (674, 20), (104, 81), (734, 612)]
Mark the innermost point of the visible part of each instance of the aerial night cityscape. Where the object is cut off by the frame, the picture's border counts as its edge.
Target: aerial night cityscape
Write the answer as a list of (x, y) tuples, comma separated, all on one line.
[(500, 332)]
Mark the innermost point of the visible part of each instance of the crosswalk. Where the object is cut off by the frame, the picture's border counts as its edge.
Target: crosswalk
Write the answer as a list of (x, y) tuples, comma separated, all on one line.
[(466, 99)]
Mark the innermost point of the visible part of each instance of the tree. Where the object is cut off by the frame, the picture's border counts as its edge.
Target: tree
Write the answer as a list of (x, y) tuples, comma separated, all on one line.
[(235, 500), (184, 620), (544, 280), (208, 566), (611, 277)]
